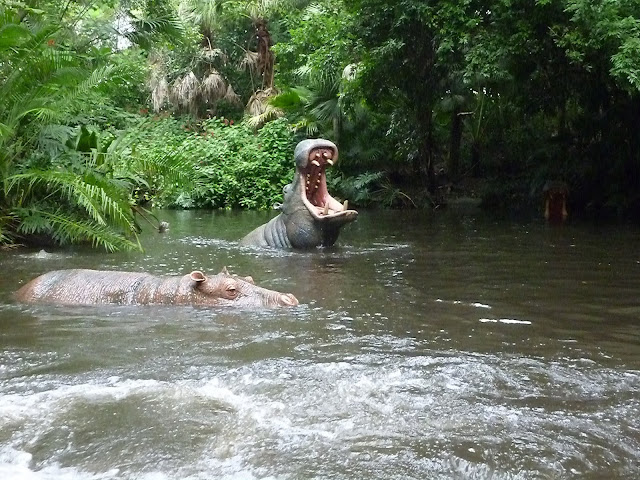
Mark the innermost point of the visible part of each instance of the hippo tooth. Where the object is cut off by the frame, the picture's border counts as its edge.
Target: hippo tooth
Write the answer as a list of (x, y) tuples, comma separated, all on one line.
[(345, 205), (326, 209), (316, 163), (330, 162), (326, 155), (317, 154)]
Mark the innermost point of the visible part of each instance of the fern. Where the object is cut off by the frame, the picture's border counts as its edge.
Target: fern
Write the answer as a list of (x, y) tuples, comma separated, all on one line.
[(173, 167), (365, 179), (77, 199), (362, 189), (95, 196), (64, 229)]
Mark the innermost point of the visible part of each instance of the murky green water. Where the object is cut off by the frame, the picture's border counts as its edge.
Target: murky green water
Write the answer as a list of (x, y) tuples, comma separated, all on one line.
[(425, 347)]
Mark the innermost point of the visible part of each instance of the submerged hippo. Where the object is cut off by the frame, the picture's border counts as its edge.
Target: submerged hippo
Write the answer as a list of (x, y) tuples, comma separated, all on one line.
[(92, 287), (310, 216)]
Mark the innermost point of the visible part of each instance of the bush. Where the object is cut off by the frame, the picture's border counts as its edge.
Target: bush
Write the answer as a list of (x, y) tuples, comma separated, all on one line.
[(236, 167)]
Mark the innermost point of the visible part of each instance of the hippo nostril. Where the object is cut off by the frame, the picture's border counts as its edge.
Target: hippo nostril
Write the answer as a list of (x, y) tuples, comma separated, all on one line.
[(288, 300)]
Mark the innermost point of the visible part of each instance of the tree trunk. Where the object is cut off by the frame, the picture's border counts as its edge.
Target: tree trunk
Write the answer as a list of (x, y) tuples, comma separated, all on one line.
[(265, 55), (423, 163), (454, 145), (475, 158)]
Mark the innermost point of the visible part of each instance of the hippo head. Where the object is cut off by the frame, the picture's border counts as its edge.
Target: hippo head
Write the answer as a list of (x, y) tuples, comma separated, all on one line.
[(227, 289), (313, 216)]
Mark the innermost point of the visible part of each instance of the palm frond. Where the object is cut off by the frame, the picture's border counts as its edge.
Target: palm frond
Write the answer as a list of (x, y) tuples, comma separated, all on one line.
[(258, 102), (210, 54), (13, 35), (172, 167), (206, 14), (52, 138), (78, 201), (173, 91), (160, 94), (213, 87), (65, 229), (269, 113), (327, 109), (231, 96), (185, 90), (288, 100), (250, 61), (38, 36), (144, 29), (95, 197), (96, 77), (304, 71), (309, 124), (5, 131)]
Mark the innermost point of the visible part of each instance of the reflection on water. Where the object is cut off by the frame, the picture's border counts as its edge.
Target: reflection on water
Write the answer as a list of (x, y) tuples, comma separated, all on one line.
[(424, 347)]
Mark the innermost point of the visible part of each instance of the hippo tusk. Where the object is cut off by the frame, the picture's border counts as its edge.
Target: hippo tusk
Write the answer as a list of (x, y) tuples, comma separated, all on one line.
[(316, 163), (326, 209), (345, 205), (330, 162)]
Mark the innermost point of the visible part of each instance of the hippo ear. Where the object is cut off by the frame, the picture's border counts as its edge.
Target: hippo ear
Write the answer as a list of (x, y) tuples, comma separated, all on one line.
[(197, 276), (224, 271)]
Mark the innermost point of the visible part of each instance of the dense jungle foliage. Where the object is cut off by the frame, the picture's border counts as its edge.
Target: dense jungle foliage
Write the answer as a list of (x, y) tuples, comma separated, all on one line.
[(110, 106)]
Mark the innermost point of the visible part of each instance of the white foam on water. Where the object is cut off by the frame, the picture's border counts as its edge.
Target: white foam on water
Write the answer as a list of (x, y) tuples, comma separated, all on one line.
[(480, 305), (508, 321), (205, 242), (32, 416), (468, 304), (17, 408), (15, 465), (214, 389), (288, 417), (334, 326)]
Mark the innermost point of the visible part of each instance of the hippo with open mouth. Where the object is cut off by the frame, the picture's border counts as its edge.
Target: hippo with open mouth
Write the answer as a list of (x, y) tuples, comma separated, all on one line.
[(97, 287), (310, 217)]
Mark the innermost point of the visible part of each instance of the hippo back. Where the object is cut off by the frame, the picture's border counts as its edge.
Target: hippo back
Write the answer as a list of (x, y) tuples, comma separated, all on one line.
[(96, 287), (90, 287)]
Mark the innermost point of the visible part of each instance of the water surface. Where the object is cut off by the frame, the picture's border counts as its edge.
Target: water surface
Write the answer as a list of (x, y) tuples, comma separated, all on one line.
[(425, 346)]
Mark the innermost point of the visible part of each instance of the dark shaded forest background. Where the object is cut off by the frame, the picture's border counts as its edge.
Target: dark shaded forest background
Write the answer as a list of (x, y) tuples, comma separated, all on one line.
[(107, 107)]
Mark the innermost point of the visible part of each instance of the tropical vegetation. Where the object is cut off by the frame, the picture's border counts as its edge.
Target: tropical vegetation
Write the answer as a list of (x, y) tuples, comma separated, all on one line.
[(109, 107)]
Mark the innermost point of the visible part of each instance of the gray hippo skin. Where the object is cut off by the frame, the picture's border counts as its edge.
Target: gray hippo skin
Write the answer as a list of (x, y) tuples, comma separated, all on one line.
[(96, 287), (310, 217)]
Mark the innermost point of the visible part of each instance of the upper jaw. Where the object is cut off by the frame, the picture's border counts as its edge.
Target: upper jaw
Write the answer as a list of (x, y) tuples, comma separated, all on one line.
[(312, 178)]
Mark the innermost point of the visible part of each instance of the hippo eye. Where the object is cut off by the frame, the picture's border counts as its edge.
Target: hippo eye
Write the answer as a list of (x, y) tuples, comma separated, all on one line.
[(231, 291)]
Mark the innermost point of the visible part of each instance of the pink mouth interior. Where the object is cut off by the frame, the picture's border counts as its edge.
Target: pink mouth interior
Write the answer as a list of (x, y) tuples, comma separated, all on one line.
[(315, 181)]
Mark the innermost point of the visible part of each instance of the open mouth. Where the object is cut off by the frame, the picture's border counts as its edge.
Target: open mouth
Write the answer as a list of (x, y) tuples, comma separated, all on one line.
[(316, 196)]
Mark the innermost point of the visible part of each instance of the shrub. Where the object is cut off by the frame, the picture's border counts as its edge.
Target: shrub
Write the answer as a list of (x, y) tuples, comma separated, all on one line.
[(235, 166)]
